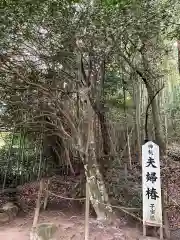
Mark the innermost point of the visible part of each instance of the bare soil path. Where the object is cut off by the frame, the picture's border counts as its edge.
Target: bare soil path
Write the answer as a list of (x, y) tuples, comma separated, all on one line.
[(71, 227)]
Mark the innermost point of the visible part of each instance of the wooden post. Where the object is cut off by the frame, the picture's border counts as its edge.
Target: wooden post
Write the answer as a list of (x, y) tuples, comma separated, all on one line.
[(38, 203), (129, 151), (144, 230), (87, 213), (125, 171), (161, 233), (46, 194)]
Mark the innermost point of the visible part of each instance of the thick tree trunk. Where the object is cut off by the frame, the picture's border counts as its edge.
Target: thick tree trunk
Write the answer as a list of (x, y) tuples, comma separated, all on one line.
[(97, 190), (106, 141), (137, 101), (178, 47), (99, 110), (104, 132), (98, 195), (149, 82), (101, 113), (156, 120)]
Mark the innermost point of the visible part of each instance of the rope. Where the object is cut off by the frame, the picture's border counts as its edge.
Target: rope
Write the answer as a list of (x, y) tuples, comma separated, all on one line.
[(124, 209), (67, 198)]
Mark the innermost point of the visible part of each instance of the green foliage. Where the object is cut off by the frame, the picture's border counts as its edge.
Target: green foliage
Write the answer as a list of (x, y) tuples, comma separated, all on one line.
[(20, 163), (54, 34), (117, 3), (114, 93)]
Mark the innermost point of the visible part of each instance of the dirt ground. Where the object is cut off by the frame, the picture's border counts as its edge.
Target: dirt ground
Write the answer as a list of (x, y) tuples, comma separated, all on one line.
[(71, 227)]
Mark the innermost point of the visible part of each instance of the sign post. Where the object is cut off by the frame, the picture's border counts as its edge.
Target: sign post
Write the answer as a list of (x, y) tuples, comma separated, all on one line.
[(151, 184)]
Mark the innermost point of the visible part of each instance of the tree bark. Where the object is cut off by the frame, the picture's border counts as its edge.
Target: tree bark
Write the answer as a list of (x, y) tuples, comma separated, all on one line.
[(98, 194), (178, 47), (97, 190), (149, 82), (105, 133), (101, 113), (156, 120), (137, 102), (99, 110)]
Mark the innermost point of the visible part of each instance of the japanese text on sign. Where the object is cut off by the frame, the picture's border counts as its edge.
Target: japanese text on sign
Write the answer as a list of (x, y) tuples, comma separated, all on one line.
[(152, 207)]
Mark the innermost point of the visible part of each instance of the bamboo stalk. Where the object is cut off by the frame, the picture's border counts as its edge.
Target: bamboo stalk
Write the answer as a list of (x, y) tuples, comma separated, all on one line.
[(22, 156), (8, 159)]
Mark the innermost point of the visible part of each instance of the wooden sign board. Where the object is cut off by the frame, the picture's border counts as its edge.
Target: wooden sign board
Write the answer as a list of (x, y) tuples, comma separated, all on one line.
[(151, 184)]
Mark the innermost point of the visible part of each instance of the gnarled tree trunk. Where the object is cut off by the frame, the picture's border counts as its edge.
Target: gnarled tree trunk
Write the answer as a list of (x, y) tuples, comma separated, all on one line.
[(156, 119), (178, 47), (97, 190), (137, 102), (98, 194), (104, 132), (99, 108), (152, 94)]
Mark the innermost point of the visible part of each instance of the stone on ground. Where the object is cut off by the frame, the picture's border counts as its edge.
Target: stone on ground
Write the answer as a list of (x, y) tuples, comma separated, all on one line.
[(8, 212), (44, 231)]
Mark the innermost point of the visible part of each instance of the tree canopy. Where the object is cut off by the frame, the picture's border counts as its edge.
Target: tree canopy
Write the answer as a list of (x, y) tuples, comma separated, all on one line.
[(71, 70)]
